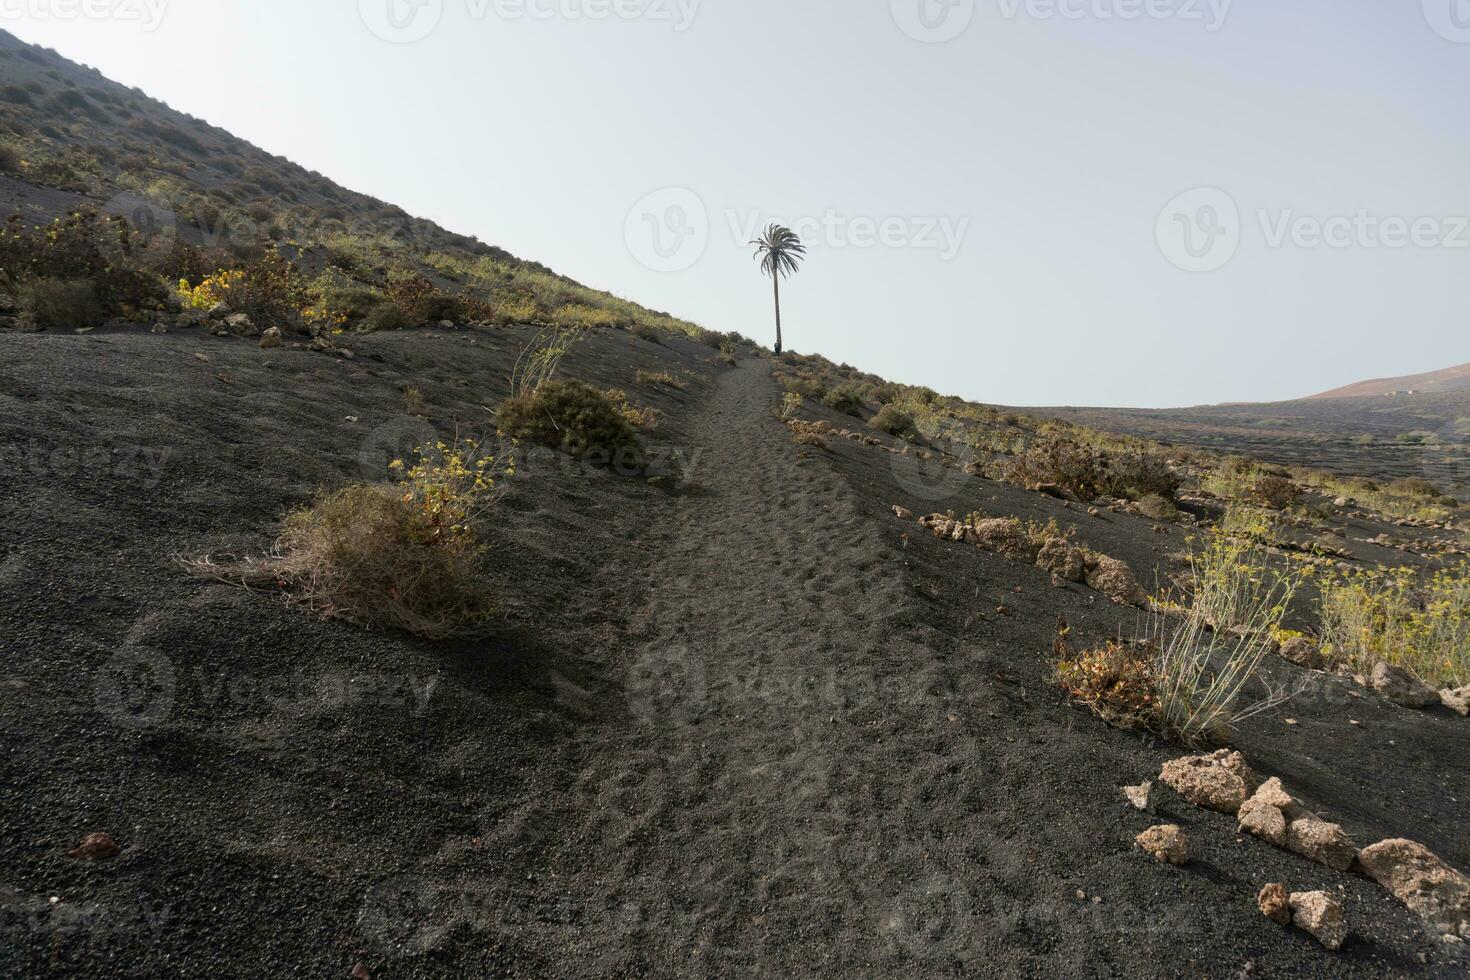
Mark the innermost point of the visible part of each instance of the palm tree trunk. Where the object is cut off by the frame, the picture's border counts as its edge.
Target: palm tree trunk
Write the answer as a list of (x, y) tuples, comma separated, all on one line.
[(776, 279)]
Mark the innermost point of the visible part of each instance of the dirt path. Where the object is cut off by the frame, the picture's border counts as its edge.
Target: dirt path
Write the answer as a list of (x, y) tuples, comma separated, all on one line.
[(748, 781)]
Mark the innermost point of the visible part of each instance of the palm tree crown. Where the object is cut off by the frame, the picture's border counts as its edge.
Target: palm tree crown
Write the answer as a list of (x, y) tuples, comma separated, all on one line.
[(780, 252)]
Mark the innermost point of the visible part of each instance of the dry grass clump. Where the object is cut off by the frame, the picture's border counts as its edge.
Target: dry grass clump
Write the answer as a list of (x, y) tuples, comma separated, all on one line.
[(1116, 681), (405, 556), (1276, 492), (660, 378), (638, 416), (1194, 674), (413, 401), (1418, 622), (1088, 473), (813, 434), (791, 403)]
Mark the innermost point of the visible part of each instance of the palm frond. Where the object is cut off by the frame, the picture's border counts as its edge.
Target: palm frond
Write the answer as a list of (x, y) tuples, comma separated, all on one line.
[(779, 251)]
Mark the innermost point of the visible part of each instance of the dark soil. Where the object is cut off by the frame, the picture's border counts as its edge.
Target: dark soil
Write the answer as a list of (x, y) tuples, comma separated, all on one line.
[(743, 722)]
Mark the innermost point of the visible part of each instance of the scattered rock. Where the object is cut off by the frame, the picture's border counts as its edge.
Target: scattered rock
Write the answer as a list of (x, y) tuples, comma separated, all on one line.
[(1402, 687), (360, 971), (1220, 781), (1304, 653), (1140, 795), (1005, 536), (1165, 842), (219, 311), (1275, 904), (1319, 915), (1457, 701), (96, 847), (271, 338), (902, 513), (159, 327), (1263, 820), (1272, 793), (240, 325), (1433, 890), (1065, 561), (1114, 579), (1323, 842)]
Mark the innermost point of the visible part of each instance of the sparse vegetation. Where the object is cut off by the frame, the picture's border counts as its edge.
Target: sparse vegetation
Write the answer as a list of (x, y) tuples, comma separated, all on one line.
[(663, 378), (894, 421), (1276, 492), (791, 403), (1412, 620), (845, 400), (405, 556), (59, 304), (639, 417), (1197, 670), (413, 401), (573, 417)]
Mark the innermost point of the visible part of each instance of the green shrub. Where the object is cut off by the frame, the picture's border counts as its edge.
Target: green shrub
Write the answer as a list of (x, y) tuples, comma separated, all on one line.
[(83, 247), (1058, 463), (644, 331), (845, 400), (385, 316), (1276, 492), (893, 421), (1141, 473), (59, 304), (573, 417)]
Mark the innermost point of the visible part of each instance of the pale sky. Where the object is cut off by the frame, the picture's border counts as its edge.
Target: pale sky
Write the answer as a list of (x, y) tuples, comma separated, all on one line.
[(990, 189)]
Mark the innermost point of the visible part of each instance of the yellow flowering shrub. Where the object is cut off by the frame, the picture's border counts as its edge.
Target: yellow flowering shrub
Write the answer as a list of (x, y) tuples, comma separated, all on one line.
[(215, 288), (1416, 621)]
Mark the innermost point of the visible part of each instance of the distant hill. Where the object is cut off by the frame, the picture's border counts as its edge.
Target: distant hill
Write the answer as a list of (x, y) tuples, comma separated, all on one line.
[(1449, 379)]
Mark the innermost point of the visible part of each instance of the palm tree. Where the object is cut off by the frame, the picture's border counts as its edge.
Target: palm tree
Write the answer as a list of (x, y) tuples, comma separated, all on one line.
[(780, 252)]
